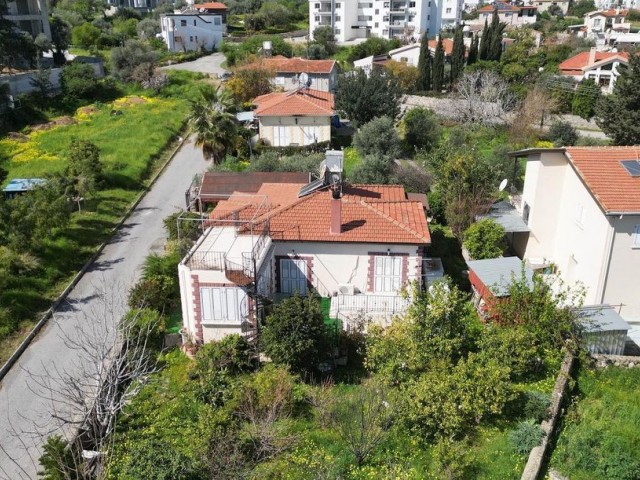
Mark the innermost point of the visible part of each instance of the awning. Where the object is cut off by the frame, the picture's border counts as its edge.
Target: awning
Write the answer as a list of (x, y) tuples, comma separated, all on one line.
[(507, 216)]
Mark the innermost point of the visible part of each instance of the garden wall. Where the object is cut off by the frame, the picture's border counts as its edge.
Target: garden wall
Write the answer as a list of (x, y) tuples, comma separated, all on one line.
[(603, 361), (533, 469), (20, 83)]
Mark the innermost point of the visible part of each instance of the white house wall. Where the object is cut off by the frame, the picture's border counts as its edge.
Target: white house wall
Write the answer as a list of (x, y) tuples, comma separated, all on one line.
[(622, 285), (296, 128), (347, 263), (206, 33)]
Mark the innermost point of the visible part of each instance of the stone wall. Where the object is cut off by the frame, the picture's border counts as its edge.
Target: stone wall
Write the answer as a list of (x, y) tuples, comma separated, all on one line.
[(533, 469), (603, 361)]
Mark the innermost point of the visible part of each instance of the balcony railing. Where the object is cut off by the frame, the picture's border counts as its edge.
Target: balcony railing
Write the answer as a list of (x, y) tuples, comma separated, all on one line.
[(207, 261), (378, 305)]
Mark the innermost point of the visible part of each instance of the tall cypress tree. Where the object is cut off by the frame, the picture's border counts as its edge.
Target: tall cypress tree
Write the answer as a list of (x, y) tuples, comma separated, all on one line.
[(473, 51), (495, 47), (424, 65), (438, 67), (485, 41), (457, 55)]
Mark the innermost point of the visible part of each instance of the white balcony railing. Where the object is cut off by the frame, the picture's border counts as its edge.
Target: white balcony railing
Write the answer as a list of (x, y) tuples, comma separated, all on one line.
[(346, 306)]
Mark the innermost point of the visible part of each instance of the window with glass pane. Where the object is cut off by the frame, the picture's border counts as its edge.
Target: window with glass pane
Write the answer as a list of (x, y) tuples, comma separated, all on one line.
[(387, 274)]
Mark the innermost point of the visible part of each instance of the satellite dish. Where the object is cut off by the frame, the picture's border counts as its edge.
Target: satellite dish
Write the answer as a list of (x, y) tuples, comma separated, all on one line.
[(303, 79), (503, 184)]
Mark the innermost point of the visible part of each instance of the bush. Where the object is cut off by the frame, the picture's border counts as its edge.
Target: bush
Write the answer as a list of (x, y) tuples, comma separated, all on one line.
[(412, 177), (79, 80), (373, 169), (585, 99), (85, 35), (217, 363), (451, 460), (536, 405), (295, 334), (378, 137), (421, 129), (131, 61), (156, 293), (485, 239), (527, 434), (563, 134), (148, 323)]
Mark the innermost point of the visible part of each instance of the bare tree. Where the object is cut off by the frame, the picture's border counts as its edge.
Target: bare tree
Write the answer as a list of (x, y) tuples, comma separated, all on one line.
[(482, 97), (113, 360), (537, 107), (363, 419)]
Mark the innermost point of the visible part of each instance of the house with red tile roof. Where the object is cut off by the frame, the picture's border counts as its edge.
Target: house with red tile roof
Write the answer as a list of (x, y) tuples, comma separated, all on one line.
[(199, 27), (602, 67), (599, 22), (322, 74), (358, 246), (512, 15), (582, 209), (296, 118)]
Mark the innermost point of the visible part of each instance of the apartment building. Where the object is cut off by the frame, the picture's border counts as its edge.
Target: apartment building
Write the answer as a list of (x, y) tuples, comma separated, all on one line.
[(404, 19), (31, 16)]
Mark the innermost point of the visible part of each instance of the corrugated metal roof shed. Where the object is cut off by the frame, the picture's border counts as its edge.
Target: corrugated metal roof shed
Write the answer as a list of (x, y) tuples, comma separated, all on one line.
[(497, 273), (19, 185), (602, 318), (506, 215)]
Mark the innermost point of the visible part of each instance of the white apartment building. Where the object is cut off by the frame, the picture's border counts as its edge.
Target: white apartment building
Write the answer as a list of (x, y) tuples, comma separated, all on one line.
[(191, 31), (405, 19), (30, 15)]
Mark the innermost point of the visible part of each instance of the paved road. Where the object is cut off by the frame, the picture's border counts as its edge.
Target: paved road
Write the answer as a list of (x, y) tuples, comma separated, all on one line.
[(209, 64), (114, 272)]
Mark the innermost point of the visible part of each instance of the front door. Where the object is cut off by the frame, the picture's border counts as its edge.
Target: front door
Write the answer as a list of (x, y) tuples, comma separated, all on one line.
[(293, 276)]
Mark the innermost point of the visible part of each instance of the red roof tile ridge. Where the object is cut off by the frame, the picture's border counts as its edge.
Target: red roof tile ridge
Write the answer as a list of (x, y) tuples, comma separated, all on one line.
[(393, 220)]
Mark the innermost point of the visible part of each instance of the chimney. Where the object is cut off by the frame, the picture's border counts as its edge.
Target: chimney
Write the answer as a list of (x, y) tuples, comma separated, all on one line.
[(592, 56), (336, 213)]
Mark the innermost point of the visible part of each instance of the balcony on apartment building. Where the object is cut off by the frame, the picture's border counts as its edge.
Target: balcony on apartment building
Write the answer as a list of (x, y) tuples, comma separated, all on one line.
[(398, 8), (322, 7)]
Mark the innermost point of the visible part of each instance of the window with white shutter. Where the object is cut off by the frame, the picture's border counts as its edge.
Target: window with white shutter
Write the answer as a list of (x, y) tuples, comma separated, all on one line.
[(281, 136), (387, 274), (223, 305)]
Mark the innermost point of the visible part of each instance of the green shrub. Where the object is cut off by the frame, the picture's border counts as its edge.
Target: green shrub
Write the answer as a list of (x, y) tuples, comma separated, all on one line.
[(378, 137), (421, 129), (563, 134), (536, 405), (144, 322), (156, 293), (485, 239), (451, 460), (525, 436), (295, 334)]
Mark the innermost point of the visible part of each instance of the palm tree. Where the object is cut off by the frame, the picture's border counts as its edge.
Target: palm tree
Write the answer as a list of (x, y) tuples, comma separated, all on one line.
[(213, 123)]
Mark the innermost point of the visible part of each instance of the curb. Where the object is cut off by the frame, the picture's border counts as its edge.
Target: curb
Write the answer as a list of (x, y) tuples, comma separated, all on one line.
[(63, 296)]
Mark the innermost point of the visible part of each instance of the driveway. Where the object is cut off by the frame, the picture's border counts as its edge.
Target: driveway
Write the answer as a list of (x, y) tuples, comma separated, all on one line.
[(209, 64), (22, 408)]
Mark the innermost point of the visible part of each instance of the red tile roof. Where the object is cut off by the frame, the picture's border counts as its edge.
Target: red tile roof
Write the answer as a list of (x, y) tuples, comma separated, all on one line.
[(211, 6), (611, 185), (283, 64), (575, 64), (309, 102), (447, 43), (612, 12), (370, 214), (505, 7)]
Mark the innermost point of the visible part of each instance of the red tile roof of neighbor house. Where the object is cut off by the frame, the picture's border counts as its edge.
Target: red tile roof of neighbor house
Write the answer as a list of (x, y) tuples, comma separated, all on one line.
[(283, 64), (211, 6), (575, 64), (609, 182), (611, 12), (447, 43), (313, 103), (369, 214), (505, 7)]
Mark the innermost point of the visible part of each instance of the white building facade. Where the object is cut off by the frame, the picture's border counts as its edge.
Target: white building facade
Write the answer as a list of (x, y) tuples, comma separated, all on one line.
[(403, 19), (30, 16), (583, 209), (190, 31)]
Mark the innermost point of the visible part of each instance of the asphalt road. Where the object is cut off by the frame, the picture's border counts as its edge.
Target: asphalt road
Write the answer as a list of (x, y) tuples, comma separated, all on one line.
[(23, 408), (209, 64)]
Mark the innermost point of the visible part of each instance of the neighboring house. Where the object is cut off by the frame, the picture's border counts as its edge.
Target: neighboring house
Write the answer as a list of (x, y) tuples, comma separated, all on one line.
[(600, 22), (544, 5), (192, 31), (404, 19), (409, 54), (30, 16), (300, 117), (512, 15), (357, 246), (19, 186), (146, 5), (626, 4), (582, 207), (212, 8), (369, 63), (602, 67), (322, 74)]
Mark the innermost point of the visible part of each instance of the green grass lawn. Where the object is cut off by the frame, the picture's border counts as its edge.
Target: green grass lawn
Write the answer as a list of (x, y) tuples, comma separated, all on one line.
[(133, 145), (600, 435)]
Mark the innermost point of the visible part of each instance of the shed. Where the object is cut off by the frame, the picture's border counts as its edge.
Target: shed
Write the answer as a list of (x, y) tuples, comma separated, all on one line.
[(605, 331), (18, 186), (490, 279)]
